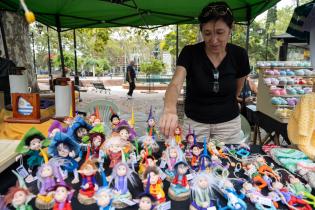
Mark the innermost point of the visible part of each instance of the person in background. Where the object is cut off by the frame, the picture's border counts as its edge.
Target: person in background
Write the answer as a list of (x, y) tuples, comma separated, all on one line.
[(130, 78), (215, 71)]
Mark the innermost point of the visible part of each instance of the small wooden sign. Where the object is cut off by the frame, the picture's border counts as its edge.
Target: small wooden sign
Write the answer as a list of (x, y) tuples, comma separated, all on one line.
[(26, 108)]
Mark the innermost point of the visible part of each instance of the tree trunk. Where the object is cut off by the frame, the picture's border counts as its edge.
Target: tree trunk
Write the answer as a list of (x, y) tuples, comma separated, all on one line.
[(18, 41)]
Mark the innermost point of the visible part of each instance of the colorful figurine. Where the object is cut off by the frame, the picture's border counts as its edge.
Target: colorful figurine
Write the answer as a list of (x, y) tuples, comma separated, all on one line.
[(172, 155), (122, 178), (190, 141), (114, 119), (146, 202), (79, 129), (153, 180), (151, 126), (253, 193), (179, 188), (19, 196), (64, 149), (54, 128), (202, 193), (297, 187), (103, 196), (63, 194), (234, 200), (47, 176), (30, 146), (252, 172), (97, 138), (113, 148), (178, 136), (147, 161), (88, 186), (196, 150)]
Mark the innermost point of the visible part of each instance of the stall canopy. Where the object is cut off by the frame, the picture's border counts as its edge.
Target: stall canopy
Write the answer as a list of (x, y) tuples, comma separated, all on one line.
[(71, 14)]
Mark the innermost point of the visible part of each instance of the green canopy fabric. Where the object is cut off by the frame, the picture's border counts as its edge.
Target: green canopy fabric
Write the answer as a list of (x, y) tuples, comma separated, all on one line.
[(70, 14)]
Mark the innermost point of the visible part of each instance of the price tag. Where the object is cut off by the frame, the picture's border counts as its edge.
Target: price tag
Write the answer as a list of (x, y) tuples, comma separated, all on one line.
[(190, 176), (128, 202), (264, 201), (164, 206), (162, 164), (22, 171), (212, 208)]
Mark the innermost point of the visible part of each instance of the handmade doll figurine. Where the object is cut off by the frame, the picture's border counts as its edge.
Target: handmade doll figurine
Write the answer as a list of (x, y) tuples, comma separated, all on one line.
[(153, 181), (234, 200), (30, 146), (54, 128), (88, 186), (151, 126), (114, 119), (103, 196), (121, 178), (148, 143), (64, 149), (179, 188), (196, 150), (212, 148), (146, 202), (178, 136), (63, 194), (19, 196), (147, 161), (79, 129), (172, 155), (253, 193), (97, 138), (48, 174), (264, 169), (190, 141), (113, 147), (297, 187), (125, 131), (252, 172), (288, 198), (202, 194)]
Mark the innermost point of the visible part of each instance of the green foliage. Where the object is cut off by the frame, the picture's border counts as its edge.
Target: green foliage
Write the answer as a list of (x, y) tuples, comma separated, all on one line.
[(154, 66), (68, 60)]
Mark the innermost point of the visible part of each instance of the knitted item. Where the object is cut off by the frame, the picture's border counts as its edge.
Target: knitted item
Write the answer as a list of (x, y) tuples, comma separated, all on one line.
[(301, 125)]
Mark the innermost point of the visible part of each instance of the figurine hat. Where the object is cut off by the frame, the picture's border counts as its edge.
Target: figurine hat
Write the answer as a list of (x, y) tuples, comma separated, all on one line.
[(204, 155), (114, 114), (62, 138), (150, 114), (55, 124), (189, 132), (31, 133)]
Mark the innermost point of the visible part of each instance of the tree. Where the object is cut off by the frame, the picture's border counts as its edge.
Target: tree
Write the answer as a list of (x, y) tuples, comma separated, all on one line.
[(154, 66)]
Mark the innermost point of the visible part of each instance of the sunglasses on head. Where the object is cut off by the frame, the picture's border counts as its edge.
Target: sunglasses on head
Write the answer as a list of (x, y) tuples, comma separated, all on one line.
[(217, 10), (215, 87)]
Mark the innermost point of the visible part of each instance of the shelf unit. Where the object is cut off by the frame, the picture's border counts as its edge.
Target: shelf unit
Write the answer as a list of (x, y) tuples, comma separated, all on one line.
[(264, 104)]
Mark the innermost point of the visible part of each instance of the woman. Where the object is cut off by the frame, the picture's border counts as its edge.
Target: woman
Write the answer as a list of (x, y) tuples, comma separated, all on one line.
[(215, 72)]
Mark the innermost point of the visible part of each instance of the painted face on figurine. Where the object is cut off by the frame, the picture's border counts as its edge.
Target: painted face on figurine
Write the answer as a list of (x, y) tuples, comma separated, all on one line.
[(115, 148), (173, 153), (277, 185), (154, 178), (92, 118), (19, 198), (177, 131), (35, 144), (97, 141), (203, 183), (121, 170), (53, 132), (148, 140), (145, 203), (124, 134), (61, 194), (47, 171), (81, 132), (115, 121), (182, 169), (190, 139), (261, 160), (151, 122), (63, 150), (294, 180), (196, 151), (68, 120), (103, 199), (151, 162), (88, 170), (96, 122)]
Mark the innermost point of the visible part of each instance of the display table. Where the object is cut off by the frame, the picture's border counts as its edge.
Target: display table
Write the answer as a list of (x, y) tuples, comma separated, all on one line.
[(272, 127), (182, 205), (7, 153)]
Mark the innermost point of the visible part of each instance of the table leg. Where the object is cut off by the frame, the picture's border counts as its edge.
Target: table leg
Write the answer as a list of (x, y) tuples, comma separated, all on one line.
[(255, 134), (276, 138)]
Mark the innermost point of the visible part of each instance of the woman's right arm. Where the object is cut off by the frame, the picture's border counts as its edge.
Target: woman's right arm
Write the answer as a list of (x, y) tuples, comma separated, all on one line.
[(169, 119)]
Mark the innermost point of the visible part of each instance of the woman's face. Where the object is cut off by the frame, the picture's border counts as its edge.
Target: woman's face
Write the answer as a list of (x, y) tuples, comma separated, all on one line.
[(216, 35), (19, 198)]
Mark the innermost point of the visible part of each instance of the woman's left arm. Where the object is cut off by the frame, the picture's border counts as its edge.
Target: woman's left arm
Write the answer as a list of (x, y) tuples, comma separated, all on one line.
[(239, 85)]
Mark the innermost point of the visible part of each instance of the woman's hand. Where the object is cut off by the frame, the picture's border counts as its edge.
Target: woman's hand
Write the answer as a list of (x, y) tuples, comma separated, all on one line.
[(168, 123)]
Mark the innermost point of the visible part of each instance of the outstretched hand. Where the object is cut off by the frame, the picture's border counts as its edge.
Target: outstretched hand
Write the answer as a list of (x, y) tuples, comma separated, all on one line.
[(168, 123)]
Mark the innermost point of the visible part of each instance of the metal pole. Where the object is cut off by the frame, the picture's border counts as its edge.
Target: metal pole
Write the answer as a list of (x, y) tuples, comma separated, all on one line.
[(34, 59), (49, 62), (60, 46), (76, 76), (6, 52), (267, 46), (247, 36), (176, 42)]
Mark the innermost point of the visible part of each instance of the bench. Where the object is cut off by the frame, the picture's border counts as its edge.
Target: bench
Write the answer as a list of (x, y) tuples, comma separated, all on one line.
[(100, 86)]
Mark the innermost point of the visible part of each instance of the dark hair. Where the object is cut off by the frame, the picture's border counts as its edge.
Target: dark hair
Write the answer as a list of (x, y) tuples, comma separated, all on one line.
[(30, 138), (205, 16), (123, 127), (113, 116)]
